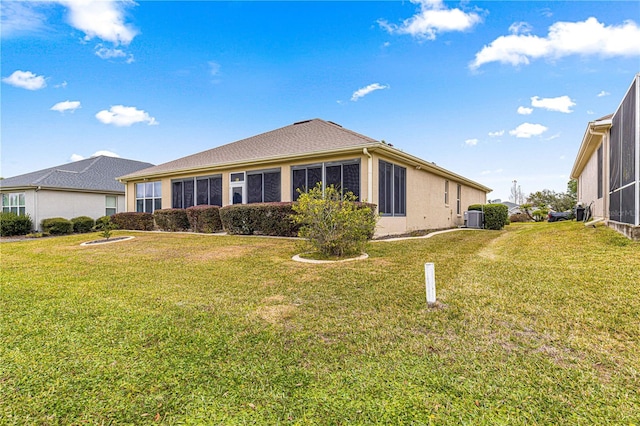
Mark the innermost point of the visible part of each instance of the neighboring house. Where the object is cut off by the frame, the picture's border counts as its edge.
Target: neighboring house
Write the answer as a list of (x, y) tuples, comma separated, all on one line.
[(607, 166), (411, 193), (81, 188)]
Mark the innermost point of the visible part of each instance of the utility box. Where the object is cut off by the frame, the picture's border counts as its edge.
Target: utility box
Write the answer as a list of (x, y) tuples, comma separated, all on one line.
[(474, 219)]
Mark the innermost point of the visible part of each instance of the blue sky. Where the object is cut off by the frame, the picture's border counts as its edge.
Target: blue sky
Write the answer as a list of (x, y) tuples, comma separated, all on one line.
[(495, 91)]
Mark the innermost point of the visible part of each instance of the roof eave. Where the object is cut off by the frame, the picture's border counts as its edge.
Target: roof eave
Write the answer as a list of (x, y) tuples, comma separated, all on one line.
[(245, 163), (431, 167), (590, 141)]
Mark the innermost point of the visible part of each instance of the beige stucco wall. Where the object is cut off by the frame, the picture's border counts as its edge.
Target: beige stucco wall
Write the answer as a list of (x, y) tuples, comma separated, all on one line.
[(588, 182), (426, 208)]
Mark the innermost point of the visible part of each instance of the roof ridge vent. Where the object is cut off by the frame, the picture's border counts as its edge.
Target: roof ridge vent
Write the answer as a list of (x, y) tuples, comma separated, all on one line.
[(301, 122), (335, 124)]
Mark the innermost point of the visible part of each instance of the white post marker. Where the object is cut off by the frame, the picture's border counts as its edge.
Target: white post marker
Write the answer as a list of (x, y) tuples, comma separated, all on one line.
[(430, 278)]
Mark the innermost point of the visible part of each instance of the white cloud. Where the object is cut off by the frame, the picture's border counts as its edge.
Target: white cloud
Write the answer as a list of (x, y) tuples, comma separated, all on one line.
[(78, 157), (123, 116), (471, 142), (366, 90), (526, 130), (496, 134), (61, 85), (433, 18), (26, 80), (113, 53), (560, 104), (602, 94), (520, 28), (214, 68), (102, 19), (66, 106), (588, 37), (18, 17), (524, 110)]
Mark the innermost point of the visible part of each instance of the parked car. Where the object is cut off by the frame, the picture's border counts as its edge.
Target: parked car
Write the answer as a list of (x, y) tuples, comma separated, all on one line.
[(558, 216)]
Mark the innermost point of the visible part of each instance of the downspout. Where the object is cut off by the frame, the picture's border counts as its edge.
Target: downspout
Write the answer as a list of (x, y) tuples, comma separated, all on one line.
[(369, 175), (35, 209)]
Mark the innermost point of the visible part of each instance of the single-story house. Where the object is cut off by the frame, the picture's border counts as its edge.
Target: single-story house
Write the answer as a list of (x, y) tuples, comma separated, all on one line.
[(81, 188), (411, 193), (607, 166)]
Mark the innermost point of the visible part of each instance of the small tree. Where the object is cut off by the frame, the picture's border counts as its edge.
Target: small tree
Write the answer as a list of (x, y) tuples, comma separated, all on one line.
[(334, 224), (105, 227)]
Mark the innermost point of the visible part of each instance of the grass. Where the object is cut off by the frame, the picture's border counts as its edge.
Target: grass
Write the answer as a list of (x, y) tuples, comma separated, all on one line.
[(537, 324)]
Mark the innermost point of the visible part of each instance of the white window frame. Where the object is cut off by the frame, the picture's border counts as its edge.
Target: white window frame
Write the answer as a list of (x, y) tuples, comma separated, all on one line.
[(14, 202), (155, 185), (108, 207)]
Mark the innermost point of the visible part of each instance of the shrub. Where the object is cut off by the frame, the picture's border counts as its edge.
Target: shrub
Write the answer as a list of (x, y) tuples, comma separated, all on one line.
[(133, 220), (57, 226), (495, 215), (540, 214), (102, 221), (519, 217), (261, 218), (334, 225), (82, 224), (13, 224), (204, 219), (171, 219)]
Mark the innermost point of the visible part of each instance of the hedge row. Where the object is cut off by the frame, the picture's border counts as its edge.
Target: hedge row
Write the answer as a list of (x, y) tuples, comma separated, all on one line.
[(13, 224), (133, 220), (260, 219), (204, 219), (496, 216)]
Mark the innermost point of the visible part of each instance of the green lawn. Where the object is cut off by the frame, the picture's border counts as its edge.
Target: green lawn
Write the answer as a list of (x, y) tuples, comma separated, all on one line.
[(537, 324)]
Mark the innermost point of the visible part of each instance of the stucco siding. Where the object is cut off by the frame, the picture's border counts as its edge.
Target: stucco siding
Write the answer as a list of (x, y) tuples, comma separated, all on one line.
[(69, 205), (588, 187)]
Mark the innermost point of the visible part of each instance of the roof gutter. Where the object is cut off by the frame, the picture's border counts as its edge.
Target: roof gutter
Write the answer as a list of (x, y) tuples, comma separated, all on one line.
[(587, 147)]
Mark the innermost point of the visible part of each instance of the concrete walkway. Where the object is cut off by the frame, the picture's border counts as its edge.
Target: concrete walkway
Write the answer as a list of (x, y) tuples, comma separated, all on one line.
[(432, 234)]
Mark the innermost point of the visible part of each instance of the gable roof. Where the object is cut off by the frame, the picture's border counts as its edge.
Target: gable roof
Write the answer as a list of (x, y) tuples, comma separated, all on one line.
[(92, 174), (590, 142), (304, 139)]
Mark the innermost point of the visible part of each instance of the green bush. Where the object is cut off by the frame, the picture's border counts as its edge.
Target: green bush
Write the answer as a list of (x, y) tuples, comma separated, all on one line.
[(57, 226), (82, 224), (133, 220), (13, 224), (171, 219), (204, 219), (261, 218), (496, 216), (334, 225), (103, 221)]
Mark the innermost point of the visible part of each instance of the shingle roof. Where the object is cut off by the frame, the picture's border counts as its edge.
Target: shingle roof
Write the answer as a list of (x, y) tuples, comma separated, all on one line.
[(305, 137), (93, 174)]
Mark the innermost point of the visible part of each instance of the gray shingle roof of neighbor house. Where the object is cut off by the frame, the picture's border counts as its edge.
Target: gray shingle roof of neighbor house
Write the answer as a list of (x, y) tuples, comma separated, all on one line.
[(302, 139), (92, 174)]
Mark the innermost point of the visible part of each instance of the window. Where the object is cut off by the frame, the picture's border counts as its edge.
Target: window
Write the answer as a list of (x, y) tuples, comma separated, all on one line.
[(392, 189), (459, 200), (14, 203), (148, 196), (111, 203), (600, 172), (343, 175), (446, 192), (263, 186), (201, 190)]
